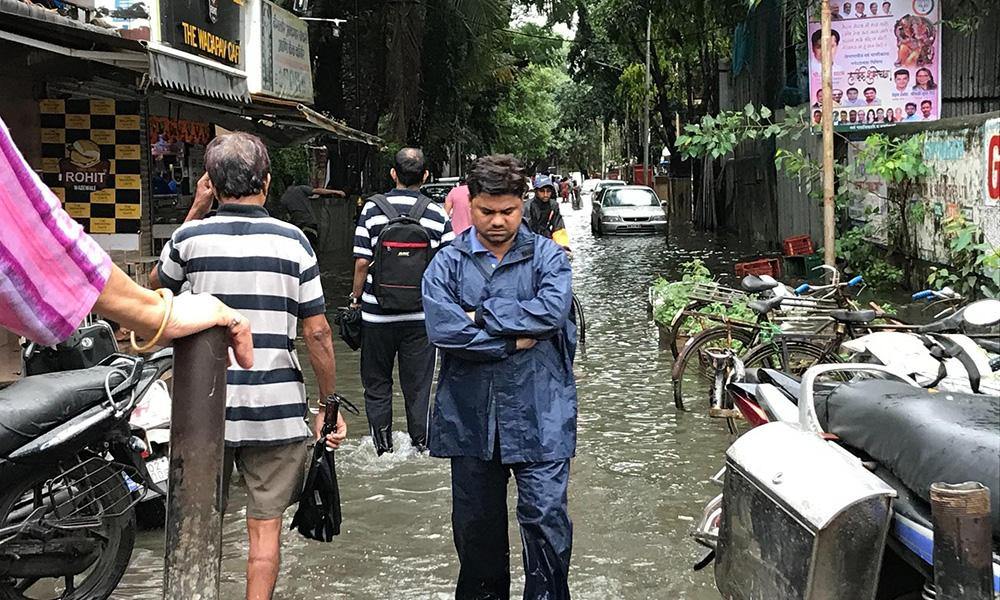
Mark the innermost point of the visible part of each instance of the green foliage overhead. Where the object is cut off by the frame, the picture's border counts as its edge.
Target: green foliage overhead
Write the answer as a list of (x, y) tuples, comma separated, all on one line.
[(528, 114)]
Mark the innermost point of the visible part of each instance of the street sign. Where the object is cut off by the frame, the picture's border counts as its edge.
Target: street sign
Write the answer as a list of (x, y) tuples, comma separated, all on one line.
[(991, 162)]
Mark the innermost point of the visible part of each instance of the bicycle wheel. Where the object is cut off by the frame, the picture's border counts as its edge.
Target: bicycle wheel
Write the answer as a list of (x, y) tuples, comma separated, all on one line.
[(693, 366), (793, 357), (580, 319), (680, 320)]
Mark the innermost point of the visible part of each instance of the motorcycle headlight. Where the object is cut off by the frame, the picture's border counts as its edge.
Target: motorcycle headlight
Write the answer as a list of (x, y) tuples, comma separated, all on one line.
[(611, 219)]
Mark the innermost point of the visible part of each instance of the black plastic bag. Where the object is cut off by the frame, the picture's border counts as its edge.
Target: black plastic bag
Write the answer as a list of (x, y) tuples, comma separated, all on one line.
[(348, 321), (319, 516)]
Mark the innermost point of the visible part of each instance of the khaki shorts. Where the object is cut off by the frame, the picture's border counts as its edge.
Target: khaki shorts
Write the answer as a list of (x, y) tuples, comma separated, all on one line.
[(273, 476)]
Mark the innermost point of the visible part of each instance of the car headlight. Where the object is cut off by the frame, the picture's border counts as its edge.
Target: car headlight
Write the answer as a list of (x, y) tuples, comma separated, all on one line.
[(658, 218), (611, 219)]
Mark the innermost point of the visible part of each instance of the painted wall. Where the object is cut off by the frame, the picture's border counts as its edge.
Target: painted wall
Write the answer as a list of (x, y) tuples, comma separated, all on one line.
[(964, 155)]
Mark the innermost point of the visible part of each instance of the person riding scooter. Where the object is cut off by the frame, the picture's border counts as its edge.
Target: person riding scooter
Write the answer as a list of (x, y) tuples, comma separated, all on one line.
[(543, 215)]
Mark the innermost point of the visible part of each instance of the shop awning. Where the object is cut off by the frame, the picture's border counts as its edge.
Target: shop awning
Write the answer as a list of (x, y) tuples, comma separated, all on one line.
[(189, 74), (338, 129)]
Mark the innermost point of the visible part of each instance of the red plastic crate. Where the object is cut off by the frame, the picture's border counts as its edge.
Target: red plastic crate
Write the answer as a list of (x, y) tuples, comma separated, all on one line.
[(763, 266), (798, 245)]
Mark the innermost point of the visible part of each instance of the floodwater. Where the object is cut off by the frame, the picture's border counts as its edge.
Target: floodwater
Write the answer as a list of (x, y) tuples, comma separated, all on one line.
[(639, 481)]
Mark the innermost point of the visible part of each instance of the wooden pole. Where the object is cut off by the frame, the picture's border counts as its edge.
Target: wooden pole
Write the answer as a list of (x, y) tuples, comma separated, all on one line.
[(647, 180), (829, 212), (192, 565), (603, 158)]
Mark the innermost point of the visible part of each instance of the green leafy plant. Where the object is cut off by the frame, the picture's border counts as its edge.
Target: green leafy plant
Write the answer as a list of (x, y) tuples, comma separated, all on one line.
[(866, 258), (671, 296), (975, 263)]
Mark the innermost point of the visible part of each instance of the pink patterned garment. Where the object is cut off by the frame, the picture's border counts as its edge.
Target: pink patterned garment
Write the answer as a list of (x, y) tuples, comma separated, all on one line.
[(51, 272)]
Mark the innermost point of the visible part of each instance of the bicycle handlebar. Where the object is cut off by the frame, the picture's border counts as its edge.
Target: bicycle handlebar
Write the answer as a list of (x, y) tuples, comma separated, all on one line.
[(945, 293), (805, 287)]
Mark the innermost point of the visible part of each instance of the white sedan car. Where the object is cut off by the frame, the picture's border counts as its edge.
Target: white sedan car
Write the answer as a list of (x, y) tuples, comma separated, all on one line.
[(627, 209), (591, 187)]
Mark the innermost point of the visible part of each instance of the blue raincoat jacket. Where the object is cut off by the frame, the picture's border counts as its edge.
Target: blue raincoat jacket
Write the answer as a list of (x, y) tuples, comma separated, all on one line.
[(486, 388)]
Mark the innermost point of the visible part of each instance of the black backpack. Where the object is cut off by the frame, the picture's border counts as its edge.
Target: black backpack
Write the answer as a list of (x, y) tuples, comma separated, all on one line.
[(403, 253)]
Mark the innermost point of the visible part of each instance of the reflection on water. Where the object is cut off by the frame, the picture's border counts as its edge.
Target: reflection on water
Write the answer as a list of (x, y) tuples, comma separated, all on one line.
[(640, 475)]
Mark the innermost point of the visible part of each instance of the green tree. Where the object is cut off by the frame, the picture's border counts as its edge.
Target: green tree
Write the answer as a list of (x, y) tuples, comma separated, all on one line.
[(527, 116)]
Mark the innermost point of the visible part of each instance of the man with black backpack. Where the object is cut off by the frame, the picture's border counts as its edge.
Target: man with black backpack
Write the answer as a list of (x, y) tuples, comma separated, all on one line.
[(398, 233)]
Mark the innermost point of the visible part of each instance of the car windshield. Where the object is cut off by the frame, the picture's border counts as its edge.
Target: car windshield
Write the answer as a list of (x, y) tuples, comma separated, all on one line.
[(630, 198), (436, 192)]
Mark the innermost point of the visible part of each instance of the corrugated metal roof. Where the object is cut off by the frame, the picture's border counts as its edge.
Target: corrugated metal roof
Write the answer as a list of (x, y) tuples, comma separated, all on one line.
[(339, 129), (33, 11), (177, 74)]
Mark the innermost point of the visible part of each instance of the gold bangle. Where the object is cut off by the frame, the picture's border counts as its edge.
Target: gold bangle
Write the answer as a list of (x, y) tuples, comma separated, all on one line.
[(168, 298)]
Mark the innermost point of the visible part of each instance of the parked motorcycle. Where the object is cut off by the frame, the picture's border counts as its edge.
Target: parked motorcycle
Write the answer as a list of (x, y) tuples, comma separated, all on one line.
[(921, 450), (94, 341), (69, 462)]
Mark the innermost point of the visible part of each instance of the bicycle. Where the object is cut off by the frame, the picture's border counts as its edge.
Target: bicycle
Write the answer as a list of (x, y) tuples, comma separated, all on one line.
[(794, 354), (807, 314)]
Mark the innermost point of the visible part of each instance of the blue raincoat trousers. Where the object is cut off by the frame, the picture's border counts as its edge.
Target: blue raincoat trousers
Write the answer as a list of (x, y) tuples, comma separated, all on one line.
[(501, 412)]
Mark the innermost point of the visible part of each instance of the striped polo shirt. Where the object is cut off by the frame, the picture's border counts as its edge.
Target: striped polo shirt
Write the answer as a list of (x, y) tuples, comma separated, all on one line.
[(370, 225), (266, 269)]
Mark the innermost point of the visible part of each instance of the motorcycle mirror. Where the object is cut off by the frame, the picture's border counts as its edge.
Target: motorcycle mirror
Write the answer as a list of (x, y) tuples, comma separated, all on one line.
[(983, 313)]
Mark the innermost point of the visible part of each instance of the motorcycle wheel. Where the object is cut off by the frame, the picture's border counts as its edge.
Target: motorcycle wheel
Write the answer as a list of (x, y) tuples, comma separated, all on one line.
[(115, 536)]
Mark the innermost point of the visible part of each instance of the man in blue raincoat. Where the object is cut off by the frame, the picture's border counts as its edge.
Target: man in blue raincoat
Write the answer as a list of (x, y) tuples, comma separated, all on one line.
[(497, 303)]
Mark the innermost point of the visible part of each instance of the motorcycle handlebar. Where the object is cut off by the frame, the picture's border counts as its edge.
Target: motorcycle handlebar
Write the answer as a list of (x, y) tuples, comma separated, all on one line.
[(923, 295), (805, 287), (856, 281)]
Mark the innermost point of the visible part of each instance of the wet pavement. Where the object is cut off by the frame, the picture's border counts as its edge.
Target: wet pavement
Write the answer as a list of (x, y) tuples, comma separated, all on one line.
[(639, 480)]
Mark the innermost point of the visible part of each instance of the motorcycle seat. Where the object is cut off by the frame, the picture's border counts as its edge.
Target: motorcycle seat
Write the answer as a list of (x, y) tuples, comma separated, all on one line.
[(919, 435), (762, 307), (853, 316), (36, 404), (754, 284)]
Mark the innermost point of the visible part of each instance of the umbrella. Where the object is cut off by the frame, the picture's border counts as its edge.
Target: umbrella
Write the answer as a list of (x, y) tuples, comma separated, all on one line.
[(318, 516)]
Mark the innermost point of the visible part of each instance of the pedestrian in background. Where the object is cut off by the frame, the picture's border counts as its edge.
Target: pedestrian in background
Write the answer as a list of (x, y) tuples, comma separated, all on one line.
[(544, 216), (268, 268), (497, 303), (391, 311), (456, 204), (299, 201)]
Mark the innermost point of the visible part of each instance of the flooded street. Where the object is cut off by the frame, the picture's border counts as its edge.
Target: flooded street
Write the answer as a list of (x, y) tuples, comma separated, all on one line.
[(639, 479)]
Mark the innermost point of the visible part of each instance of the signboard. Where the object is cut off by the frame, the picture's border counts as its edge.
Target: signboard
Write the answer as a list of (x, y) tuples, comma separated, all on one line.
[(212, 29), (91, 153), (168, 130), (886, 63), (991, 162), (278, 59)]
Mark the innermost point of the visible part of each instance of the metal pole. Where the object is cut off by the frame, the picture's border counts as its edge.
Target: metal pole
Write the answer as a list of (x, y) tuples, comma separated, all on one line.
[(193, 556), (829, 251), (963, 567), (645, 146), (603, 155)]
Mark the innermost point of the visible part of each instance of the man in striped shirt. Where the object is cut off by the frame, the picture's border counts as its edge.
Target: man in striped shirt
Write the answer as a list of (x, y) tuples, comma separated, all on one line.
[(387, 334), (267, 269)]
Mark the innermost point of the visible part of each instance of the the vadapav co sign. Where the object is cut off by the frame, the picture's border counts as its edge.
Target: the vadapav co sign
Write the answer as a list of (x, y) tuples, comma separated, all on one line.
[(209, 28)]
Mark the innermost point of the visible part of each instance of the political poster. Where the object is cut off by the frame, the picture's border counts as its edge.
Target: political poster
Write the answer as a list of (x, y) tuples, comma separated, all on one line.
[(886, 63)]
